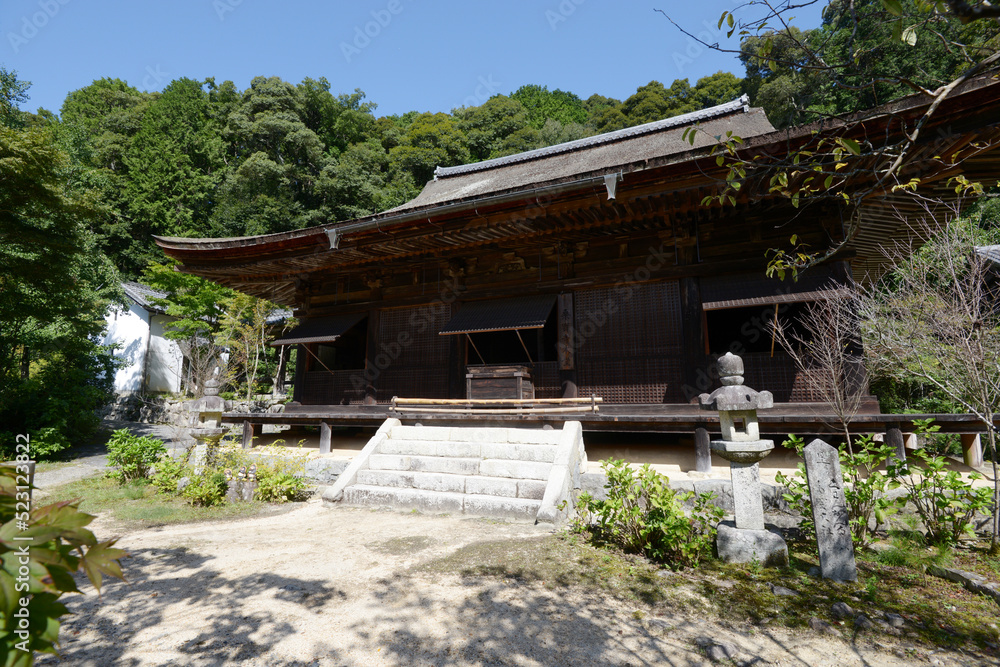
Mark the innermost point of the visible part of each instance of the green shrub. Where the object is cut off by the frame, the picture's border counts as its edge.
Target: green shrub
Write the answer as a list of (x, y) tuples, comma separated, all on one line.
[(169, 471), (280, 474), (945, 502), (865, 488), (207, 489), (132, 456), (642, 514)]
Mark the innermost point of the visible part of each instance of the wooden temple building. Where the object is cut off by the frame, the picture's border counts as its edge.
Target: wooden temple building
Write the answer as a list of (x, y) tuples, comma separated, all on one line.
[(593, 268)]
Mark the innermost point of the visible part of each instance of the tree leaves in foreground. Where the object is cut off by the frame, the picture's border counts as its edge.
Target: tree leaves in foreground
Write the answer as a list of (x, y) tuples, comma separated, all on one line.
[(36, 572)]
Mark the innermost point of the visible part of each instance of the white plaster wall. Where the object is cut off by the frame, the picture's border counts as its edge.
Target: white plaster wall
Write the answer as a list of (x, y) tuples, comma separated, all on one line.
[(128, 329), (165, 359)]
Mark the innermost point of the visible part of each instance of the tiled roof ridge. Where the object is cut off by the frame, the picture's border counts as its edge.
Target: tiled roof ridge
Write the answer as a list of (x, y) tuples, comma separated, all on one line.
[(740, 104)]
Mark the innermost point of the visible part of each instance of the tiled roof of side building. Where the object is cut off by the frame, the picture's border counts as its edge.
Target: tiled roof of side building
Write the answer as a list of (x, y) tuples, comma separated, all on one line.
[(143, 295)]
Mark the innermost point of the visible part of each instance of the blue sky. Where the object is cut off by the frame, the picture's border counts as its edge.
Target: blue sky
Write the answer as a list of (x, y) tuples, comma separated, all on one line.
[(405, 54)]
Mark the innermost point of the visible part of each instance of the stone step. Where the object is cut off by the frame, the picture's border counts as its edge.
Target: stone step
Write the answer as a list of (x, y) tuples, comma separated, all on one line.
[(486, 450), (523, 436), (507, 468), (531, 489), (451, 465), (436, 501)]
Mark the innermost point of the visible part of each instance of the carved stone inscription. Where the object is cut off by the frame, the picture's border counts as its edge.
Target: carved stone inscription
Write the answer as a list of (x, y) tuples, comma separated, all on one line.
[(833, 532)]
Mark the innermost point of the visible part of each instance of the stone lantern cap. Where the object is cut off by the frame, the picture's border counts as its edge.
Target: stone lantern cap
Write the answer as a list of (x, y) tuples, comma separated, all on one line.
[(733, 396)]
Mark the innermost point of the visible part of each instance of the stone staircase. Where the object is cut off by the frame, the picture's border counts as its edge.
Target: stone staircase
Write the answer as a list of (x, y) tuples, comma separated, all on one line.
[(512, 473)]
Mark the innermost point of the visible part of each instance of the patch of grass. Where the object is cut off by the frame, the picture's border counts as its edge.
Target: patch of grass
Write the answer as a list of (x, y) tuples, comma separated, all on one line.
[(559, 561), (938, 612), (141, 505), (399, 546)]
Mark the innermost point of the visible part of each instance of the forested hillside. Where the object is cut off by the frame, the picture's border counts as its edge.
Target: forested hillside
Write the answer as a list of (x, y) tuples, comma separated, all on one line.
[(203, 158)]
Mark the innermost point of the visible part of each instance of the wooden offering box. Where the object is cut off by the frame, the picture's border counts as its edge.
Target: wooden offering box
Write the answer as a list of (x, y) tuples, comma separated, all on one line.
[(511, 382)]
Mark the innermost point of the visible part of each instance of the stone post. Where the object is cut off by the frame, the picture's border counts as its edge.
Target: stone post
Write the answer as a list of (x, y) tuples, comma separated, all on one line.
[(972, 450), (325, 436), (702, 450), (829, 506)]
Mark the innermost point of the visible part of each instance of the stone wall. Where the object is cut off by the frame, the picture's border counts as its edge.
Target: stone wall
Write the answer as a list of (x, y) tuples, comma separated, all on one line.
[(172, 410)]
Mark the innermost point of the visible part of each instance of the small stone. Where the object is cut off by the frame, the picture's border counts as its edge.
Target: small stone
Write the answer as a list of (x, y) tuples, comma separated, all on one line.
[(820, 625), (182, 483), (781, 591), (895, 620), (841, 610), (721, 652), (862, 622)]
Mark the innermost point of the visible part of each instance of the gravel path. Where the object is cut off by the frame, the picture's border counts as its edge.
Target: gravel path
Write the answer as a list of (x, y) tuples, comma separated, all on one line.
[(317, 586)]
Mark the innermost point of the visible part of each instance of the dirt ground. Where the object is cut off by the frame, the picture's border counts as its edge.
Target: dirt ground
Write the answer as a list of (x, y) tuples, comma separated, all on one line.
[(323, 586)]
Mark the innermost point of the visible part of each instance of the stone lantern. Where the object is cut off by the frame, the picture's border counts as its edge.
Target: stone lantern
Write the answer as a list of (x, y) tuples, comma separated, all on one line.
[(207, 422), (742, 447)]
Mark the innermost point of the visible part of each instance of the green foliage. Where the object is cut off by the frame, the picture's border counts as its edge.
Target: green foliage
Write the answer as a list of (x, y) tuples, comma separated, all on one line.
[(945, 501), (60, 546), (865, 53), (55, 285), (207, 489), (642, 514), (133, 457), (908, 548), (168, 471), (865, 488), (280, 474)]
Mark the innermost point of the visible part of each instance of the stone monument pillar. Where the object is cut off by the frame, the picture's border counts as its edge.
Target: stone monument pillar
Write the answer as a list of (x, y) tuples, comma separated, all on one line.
[(747, 539)]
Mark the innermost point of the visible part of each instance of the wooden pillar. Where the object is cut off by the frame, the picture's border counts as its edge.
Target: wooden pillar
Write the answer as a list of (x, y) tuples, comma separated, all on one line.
[(702, 450), (692, 329), (325, 435), (972, 450), (894, 438), (248, 429), (565, 350), (300, 373), (372, 372), (456, 366)]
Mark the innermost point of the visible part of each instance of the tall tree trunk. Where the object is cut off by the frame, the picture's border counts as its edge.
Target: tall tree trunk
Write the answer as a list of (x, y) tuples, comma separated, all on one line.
[(994, 546)]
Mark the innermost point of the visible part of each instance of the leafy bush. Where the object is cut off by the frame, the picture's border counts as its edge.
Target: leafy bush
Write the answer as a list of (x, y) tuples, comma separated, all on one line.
[(865, 488), (60, 546), (169, 471), (279, 473), (132, 456), (642, 514), (207, 489), (945, 502)]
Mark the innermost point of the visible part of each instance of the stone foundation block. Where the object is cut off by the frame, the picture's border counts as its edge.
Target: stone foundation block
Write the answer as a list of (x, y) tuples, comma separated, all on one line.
[(744, 546)]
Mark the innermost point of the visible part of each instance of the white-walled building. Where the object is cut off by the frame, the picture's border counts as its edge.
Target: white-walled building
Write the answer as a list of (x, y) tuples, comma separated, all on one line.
[(154, 362)]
